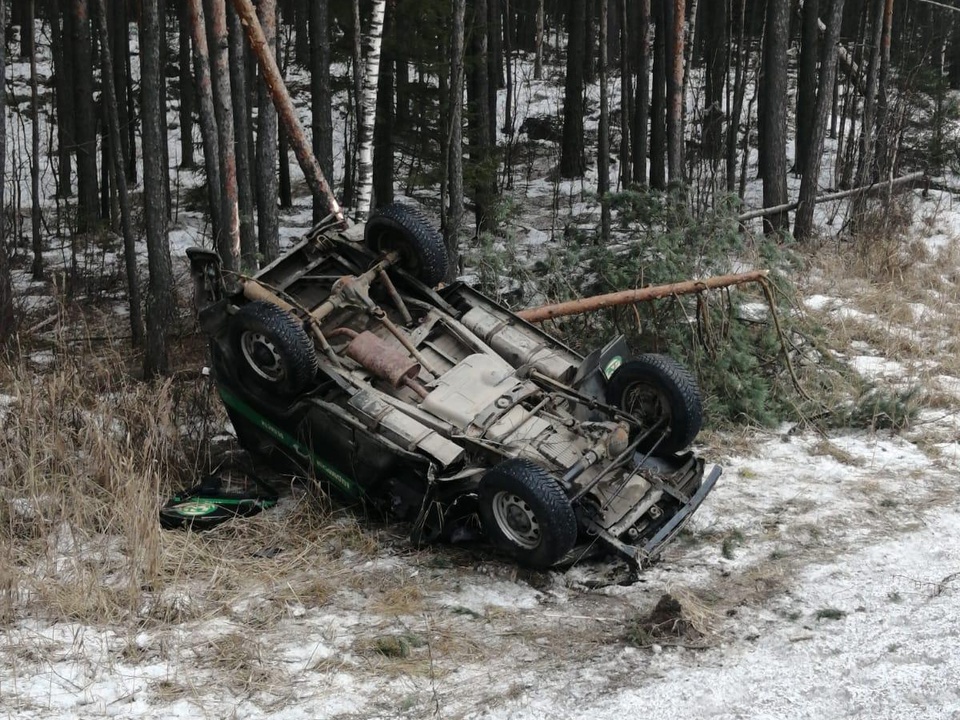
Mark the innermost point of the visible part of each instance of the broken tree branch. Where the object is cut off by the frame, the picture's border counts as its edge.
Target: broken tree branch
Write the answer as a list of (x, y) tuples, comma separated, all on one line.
[(626, 297), (281, 99), (864, 190)]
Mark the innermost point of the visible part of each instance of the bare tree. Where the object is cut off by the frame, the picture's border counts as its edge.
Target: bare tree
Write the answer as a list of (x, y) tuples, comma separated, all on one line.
[(116, 152), (187, 91), (807, 80), (321, 93), (773, 114), (641, 113), (160, 285), (675, 94), (7, 319), (35, 215), (809, 185), (86, 124), (573, 162), (603, 149), (241, 145), (454, 139), (207, 113), (228, 244)]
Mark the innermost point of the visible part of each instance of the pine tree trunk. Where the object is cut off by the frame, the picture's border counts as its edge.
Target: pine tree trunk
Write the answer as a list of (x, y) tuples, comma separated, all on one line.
[(885, 167), (268, 215), (321, 93), (641, 117), (809, 184), (865, 165), (228, 243), (241, 125), (370, 83), (119, 174), (207, 114), (675, 95), (165, 146), (454, 150), (187, 92), (807, 81), (573, 161), (63, 84), (628, 109), (86, 123), (538, 51), (385, 120), (35, 217), (7, 319), (160, 301), (773, 115), (118, 22), (742, 64), (658, 102), (603, 147), (717, 58), (481, 144)]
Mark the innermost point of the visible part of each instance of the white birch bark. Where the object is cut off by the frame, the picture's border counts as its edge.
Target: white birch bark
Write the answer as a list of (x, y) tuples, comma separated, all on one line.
[(370, 81)]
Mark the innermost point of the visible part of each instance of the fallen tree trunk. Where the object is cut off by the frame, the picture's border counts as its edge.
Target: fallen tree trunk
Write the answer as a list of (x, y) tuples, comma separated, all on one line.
[(281, 98), (626, 297), (866, 189)]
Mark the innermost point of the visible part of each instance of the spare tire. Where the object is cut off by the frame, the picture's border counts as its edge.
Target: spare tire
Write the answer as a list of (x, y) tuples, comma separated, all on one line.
[(276, 354), (656, 387), (526, 513), (404, 229)]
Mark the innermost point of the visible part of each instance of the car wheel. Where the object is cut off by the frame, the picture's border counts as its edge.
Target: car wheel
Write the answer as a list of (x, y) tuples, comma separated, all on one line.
[(654, 387), (276, 354), (404, 229), (525, 512)]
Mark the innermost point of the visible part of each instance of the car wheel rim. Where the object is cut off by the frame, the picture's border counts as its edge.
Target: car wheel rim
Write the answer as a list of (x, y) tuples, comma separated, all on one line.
[(262, 356), (516, 520), (644, 402)]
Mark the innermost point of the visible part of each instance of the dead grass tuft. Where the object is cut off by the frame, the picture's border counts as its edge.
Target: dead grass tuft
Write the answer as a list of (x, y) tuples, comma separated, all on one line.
[(679, 618)]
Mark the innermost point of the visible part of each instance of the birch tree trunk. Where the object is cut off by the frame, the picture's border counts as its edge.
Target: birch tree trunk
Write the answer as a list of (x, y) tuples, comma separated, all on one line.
[(268, 214), (370, 81), (160, 302), (119, 173), (809, 184), (228, 243), (207, 114)]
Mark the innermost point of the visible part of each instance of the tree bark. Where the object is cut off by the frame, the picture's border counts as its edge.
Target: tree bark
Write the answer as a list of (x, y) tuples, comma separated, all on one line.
[(454, 149), (717, 57), (7, 319), (36, 267), (207, 114), (675, 95), (658, 102), (642, 112), (268, 214), (241, 126), (573, 161), (628, 108), (773, 116), (160, 301), (63, 84), (481, 143), (321, 93), (806, 81), (228, 244), (187, 92), (118, 22), (370, 82), (884, 131), (603, 148), (386, 118), (120, 178), (86, 124)]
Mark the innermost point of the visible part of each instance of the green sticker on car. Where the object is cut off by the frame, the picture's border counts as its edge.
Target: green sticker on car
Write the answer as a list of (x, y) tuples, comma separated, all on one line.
[(612, 366)]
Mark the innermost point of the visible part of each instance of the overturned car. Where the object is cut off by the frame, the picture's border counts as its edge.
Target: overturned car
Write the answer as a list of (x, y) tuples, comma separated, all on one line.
[(445, 409)]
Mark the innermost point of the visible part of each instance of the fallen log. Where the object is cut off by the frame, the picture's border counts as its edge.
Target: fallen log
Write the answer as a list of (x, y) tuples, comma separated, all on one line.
[(288, 116), (840, 195), (626, 297)]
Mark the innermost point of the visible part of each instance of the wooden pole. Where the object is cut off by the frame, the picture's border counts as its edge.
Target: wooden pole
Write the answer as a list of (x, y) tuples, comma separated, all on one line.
[(281, 99), (626, 297)]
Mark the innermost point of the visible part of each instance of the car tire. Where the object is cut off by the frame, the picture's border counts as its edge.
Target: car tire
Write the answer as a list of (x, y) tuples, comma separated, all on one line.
[(275, 353), (404, 229), (526, 513), (650, 387)]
